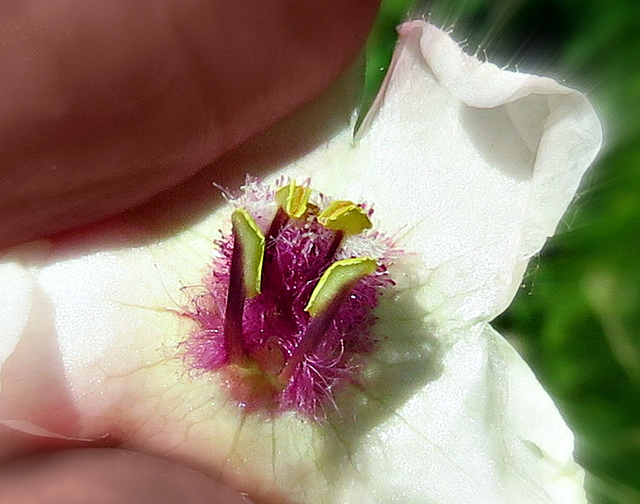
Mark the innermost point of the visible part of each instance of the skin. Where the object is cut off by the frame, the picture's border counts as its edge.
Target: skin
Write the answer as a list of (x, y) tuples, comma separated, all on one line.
[(105, 105), (108, 477)]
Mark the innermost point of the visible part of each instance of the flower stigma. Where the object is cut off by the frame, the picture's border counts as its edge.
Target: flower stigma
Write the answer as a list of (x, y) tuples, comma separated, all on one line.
[(285, 319)]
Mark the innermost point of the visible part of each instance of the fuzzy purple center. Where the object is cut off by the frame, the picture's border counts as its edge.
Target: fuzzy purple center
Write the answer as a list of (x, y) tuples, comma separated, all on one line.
[(275, 323)]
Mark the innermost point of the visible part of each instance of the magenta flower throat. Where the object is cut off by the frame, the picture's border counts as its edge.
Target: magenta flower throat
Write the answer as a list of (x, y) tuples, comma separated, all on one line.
[(287, 313)]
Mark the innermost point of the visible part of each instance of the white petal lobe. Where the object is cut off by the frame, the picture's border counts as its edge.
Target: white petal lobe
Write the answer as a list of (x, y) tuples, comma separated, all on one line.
[(475, 164), (484, 432)]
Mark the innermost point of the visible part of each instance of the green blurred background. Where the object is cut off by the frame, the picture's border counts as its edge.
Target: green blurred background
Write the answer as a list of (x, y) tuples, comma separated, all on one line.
[(576, 319)]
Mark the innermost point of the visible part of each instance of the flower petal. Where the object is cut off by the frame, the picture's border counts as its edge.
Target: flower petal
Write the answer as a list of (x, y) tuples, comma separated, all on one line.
[(451, 414), (484, 432), (16, 292), (476, 164)]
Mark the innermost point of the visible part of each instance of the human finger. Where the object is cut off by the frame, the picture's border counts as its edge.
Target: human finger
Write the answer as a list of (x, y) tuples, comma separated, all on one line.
[(109, 476), (103, 105)]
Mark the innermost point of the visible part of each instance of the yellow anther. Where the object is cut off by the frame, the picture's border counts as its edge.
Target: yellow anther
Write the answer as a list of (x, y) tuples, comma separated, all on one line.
[(339, 277), (293, 199), (251, 241), (344, 216)]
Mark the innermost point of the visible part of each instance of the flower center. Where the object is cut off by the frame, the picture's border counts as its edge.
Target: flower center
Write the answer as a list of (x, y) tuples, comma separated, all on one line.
[(298, 300)]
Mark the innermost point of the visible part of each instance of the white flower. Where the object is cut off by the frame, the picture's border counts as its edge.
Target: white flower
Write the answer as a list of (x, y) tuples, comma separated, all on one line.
[(471, 167)]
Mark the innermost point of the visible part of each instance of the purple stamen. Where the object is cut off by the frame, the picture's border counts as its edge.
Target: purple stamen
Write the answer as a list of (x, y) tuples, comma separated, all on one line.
[(273, 354), (279, 221), (313, 336), (335, 244), (235, 305)]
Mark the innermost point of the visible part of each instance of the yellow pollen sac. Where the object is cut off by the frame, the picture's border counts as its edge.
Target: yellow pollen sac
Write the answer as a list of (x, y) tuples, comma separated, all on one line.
[(251, 241), (344, 216), (339, 278), (293, 199)]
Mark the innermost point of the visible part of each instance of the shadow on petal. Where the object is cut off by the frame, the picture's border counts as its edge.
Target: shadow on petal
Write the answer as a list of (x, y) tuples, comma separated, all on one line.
[(407, 358), (507, 137)]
